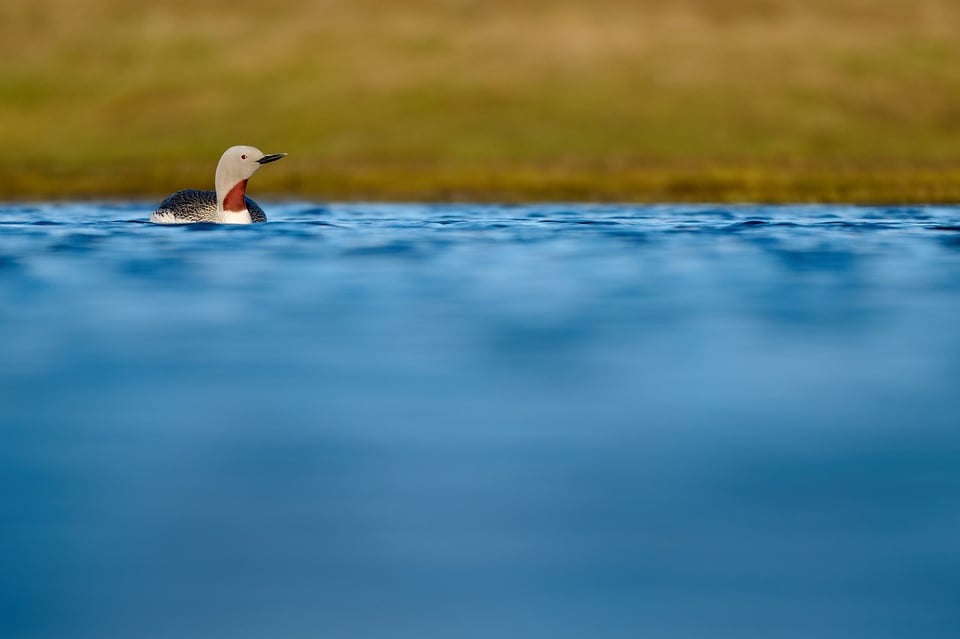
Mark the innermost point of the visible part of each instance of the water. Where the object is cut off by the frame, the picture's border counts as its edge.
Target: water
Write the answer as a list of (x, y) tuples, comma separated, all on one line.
[(480, 421)]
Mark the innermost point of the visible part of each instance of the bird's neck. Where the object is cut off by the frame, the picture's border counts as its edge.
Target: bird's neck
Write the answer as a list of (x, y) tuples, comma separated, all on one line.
[(231, 189)]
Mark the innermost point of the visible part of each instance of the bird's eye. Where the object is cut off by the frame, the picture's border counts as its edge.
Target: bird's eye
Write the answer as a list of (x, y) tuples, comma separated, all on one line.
[(243, 157)]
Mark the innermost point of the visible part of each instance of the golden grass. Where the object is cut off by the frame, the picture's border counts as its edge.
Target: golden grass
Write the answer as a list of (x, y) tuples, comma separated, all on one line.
[(723, 100)]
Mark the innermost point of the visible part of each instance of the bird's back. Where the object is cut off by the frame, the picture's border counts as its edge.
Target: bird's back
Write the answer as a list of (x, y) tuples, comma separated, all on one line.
[(191, 206)]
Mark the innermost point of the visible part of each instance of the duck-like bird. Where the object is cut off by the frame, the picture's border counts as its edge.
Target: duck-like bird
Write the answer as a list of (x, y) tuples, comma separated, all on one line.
[(229, 204)]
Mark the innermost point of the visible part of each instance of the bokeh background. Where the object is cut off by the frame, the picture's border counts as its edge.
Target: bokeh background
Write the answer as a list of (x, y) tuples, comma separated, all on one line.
[(851, 100)]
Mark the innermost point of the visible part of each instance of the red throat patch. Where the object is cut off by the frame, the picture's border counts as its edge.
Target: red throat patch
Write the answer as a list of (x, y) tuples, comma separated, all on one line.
[(234, 199)]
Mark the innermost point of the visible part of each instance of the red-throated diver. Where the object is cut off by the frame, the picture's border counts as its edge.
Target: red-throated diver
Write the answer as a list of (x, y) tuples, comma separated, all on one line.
[(229, 203)]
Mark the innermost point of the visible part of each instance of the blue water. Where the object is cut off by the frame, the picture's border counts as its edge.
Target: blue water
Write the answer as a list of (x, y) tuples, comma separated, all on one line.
[(480, 421)]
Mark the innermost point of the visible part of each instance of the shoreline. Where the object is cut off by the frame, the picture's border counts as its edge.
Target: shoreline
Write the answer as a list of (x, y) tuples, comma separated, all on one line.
[(645, 184)]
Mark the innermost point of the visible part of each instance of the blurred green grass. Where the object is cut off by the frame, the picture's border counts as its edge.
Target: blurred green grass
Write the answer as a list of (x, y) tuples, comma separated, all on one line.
[(719, 100)]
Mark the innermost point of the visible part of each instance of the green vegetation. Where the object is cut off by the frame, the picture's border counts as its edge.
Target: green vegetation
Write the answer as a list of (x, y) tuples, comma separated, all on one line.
[(639, 100)]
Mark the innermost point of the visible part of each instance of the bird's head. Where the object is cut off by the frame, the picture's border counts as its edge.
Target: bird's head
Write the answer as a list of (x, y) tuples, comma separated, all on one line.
[(241, 162)]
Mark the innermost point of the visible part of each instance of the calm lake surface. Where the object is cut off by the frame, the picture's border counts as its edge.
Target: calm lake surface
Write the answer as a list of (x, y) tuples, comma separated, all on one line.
[(461, 421)]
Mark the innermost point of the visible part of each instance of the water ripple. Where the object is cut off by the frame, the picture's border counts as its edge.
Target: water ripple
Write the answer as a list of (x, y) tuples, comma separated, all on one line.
[(490, 420)]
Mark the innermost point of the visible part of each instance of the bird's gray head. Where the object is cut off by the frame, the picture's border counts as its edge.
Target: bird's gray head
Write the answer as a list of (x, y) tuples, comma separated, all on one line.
[(241, 162)]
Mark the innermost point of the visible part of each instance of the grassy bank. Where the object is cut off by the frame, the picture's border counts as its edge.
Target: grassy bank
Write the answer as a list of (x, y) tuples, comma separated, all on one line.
[(643, 100), (512, 183)]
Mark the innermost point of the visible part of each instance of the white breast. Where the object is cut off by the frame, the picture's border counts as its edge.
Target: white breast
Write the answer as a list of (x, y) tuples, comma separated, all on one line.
[(236, 217)]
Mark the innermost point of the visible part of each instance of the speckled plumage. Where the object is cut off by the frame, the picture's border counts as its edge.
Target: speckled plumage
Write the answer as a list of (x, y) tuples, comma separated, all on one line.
[(192, 205)]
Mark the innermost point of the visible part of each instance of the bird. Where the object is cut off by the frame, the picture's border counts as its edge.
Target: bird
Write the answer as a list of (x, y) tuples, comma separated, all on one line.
[(229, 203)]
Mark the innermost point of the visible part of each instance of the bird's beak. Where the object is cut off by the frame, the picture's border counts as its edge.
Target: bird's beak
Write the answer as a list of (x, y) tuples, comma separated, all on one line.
[(270, 158)]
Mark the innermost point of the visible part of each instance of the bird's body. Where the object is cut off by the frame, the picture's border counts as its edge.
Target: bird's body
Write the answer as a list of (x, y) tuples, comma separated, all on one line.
[(191, 206), (229, 203)]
